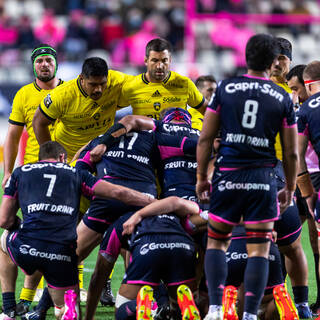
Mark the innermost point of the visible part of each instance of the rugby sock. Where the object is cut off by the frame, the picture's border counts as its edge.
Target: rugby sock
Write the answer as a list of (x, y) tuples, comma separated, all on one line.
[(80, 271), (283, 266), (27, 294), (300, 294), (8, 303), (216, 270), (255, 280), (249, 316), (160, 294), (316, 266), (45, 302), (40, 285), (127, 311)]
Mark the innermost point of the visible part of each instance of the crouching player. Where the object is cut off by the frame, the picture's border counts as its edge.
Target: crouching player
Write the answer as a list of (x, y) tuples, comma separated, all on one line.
[(160, 250), (48, 194)]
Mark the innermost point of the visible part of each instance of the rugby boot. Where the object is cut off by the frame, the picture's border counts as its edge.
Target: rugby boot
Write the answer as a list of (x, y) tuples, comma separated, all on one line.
[(189, 310), (284, 303), (107, 297), (216, 315), (315, 308), (144, 303), (83, 295), (70, 303), (304, 312), (10, 315), (229, 300), (35, 314), (22, 307)]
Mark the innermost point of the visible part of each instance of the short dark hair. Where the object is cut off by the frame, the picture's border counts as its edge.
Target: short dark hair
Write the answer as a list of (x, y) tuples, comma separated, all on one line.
[(158, 44), (312, 70), (285, 47), (94, 67), (261, 50), (51, 149), (200, 80), (297, 71)]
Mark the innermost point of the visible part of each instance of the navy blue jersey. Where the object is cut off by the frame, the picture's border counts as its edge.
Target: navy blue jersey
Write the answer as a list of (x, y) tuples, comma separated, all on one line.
[(177, 169), (308, 121), (133, 157), (252, 111), (161, 224), (49, 195)]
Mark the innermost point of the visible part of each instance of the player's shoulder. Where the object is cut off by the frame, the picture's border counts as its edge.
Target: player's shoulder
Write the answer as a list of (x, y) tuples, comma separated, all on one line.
[(312, 102), (116, 77), (176, 79), (67, 89), (28, 88)]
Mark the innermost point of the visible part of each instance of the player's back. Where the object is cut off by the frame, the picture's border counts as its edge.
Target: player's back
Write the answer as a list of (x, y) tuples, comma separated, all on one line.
[(252, 111), (48, 194)]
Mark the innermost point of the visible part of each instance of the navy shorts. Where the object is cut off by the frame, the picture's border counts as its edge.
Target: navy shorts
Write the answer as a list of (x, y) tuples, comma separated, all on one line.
[(186, 192), (170, 258), (288, 227), (102, 212), (237, 261), (254, 194), (57, 262), (113, 240)]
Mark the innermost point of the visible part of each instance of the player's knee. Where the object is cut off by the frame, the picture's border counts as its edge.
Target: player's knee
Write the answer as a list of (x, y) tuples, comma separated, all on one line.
[(4, 241)]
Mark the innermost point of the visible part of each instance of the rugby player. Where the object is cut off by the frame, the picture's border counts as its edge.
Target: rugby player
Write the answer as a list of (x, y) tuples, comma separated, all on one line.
[(250, 110), (85, 106), (288, 227), (45, 191), (26, 101), (159, 88), (308, 131), (207, 85)]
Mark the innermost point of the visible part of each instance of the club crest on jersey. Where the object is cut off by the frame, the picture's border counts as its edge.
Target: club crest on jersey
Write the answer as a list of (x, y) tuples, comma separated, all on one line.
[(156, 94), (157, 106), (96, 116), (47, 101)]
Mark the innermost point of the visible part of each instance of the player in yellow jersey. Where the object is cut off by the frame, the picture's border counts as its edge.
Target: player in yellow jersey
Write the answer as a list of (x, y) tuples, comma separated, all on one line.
[(25, 103), (159, 88), (295, 259), (85, 106), (207, 85)]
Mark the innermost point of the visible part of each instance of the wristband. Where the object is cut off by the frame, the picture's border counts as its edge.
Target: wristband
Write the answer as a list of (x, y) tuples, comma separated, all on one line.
[(108, 139), (305, 185)]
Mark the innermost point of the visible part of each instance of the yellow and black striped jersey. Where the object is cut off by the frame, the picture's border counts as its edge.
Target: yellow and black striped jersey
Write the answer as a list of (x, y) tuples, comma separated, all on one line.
[(81, 118), (25, 104), (150, 98)]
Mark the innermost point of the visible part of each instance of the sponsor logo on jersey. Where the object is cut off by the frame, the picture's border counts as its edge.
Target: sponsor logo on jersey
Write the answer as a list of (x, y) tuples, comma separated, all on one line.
[(314, 103), (243, 255), (96, 116), (159, 246), (248, 186), (47, 101), (171, 99), (26, 249), (157, 106), (156, 94)]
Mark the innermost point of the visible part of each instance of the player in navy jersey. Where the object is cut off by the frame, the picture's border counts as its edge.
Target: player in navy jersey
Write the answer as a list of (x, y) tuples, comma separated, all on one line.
[(48, 194), (160, 250), (249, 110)]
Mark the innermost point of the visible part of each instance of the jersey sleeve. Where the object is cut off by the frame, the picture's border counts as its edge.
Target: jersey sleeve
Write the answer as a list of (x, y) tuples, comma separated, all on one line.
[(172, 146), (289, 119), (84, 162), (88, 182), (17, 115), (51, 106), (124, 96), (302, 123), (195, 97), (11, 187), (214, 105)]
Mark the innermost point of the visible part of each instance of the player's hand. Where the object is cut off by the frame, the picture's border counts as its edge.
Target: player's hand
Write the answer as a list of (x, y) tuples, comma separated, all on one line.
[(5, 179), (285, 198), (97, 152), (203, 189), (130, 224), (311, 202)]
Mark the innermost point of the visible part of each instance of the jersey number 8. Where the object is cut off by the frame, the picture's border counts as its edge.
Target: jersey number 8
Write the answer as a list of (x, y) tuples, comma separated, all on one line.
[(249, 117)]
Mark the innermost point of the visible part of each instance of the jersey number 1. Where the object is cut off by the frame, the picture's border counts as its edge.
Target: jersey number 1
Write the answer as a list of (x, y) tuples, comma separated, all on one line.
[(249, 117)]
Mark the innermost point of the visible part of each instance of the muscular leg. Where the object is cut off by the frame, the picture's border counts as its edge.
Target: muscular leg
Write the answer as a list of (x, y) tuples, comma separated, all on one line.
[(102, 270)]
